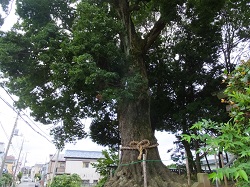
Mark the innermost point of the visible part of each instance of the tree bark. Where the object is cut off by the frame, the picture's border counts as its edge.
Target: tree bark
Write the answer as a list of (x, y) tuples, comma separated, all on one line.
[(134, 124), (190, 157), (197, 158)]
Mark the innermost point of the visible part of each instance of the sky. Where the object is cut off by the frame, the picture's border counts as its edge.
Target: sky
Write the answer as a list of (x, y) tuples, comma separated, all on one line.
[(35, 136)]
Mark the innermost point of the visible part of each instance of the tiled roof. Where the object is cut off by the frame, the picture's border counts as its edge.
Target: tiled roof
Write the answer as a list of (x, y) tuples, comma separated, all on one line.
[(83, 154), (10, 158), (60, 157)]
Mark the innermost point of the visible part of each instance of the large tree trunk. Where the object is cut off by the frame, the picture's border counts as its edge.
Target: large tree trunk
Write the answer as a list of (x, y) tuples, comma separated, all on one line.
[(134, 123), (135, 126)]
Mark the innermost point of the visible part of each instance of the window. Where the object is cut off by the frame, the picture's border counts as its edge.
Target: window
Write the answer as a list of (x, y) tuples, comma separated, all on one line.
[(85, 164), (95, 181), (62, 165)]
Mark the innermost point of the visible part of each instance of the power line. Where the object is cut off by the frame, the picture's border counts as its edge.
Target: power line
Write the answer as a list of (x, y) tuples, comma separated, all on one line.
[(14, 150), (4, 130), (24, 119), (34, 129), (9, 105), (23, 113), (34, 123)]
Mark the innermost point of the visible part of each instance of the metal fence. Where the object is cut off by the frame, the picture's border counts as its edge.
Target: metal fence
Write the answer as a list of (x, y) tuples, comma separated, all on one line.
[(89, 185)]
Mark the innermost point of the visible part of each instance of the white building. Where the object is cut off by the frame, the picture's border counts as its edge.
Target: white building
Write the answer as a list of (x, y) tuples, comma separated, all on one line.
[(79, 162)]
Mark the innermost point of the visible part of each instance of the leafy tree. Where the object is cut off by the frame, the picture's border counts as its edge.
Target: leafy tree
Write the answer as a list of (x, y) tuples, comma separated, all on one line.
[(186, 75), (95, 58), (234, 135), (104, 131), (235, 32), (106, 165), (19, 176), (6, 179), (193, 73), (73, 180)]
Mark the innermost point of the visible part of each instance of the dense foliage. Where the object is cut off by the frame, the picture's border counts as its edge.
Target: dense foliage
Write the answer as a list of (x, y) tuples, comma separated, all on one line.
[(73, 180), (6, 179), (234, 135)]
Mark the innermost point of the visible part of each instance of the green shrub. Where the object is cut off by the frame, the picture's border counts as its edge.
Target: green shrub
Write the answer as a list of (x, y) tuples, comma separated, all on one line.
[(73, 180), (6, 180)]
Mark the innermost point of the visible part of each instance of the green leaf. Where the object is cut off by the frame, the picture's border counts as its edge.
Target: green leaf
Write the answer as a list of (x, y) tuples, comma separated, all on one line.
[(243, 175), (212, 176), (186, 137), (220, 175)]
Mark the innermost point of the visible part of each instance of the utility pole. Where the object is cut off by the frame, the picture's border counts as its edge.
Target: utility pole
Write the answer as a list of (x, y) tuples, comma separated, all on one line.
[(55, 166), (14, 176), (8, 146)]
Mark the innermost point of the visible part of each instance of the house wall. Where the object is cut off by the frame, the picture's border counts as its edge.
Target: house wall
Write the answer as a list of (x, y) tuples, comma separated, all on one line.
[(83, 168), (10, 167)]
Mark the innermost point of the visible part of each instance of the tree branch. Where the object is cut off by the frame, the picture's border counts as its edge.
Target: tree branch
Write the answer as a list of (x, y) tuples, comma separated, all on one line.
[(154, 32)]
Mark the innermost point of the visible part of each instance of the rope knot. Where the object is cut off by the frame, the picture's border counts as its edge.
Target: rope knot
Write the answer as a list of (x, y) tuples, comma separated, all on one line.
[(140, 146)]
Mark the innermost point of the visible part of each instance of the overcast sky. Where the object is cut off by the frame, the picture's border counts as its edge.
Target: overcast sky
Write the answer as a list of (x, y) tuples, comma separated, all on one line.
[(36, 147)]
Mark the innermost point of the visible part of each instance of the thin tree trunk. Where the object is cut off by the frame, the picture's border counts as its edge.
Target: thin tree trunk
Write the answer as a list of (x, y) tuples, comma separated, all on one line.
[(190, 157), (208, 165), (197, 159)]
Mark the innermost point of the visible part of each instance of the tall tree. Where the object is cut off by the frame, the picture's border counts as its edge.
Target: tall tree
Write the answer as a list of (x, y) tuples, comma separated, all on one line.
[(67, 60), (185, 84), (187, 74), (235, 32)]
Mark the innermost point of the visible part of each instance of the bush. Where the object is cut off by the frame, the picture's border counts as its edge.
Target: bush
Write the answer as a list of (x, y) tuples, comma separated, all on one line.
[(73, 180), (6, 180)]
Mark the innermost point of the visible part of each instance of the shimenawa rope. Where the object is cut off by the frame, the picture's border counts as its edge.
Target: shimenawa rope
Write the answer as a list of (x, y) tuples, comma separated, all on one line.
[(140, 146)]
